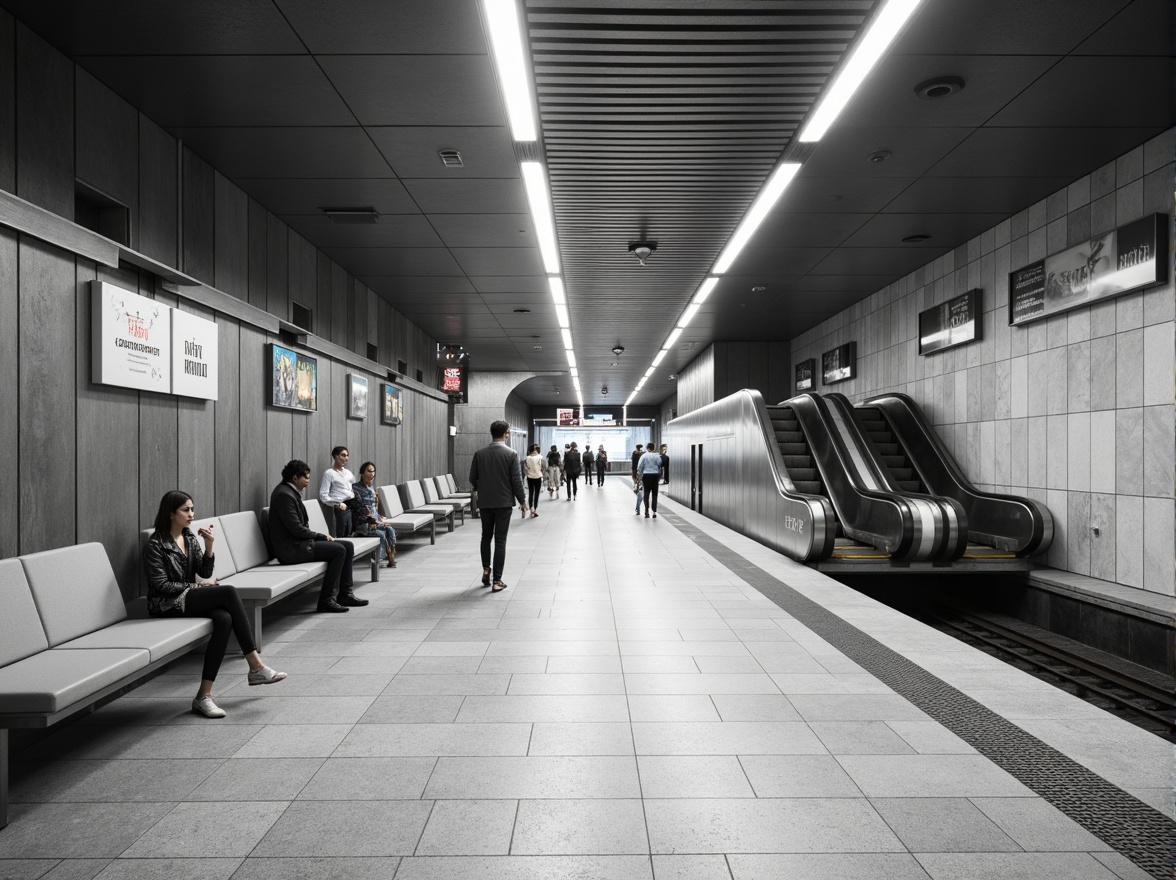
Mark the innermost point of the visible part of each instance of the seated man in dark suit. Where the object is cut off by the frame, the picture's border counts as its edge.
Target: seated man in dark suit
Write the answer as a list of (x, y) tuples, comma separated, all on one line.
[(293, 541)]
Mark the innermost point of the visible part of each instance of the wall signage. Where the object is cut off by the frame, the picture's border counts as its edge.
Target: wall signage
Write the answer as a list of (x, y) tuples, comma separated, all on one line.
[(131, 339), (839, 364), (293, 379), (806, 372), (1130, 257), (453, 383), (566, 418), (194, 356), (392, 408), (955, 322)]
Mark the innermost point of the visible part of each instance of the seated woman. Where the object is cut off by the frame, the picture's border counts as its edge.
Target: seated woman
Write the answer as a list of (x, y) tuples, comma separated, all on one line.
[(365, 494), (173, 562)]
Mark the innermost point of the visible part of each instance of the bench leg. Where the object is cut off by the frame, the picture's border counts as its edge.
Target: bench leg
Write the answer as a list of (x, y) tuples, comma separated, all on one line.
[(375, 567), (4, 778), (449, 519), (255, 611), (462, 512), (433, 532)]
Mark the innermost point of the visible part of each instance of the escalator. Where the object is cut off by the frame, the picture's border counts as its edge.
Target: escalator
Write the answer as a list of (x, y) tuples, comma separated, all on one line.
[(893, 455)]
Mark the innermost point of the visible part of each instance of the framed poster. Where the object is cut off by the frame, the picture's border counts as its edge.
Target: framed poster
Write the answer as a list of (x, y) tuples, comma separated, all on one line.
[(194, 356), (955, 322), (391, 408), (453, 383), (293, 379), (1124, 260), (839, 364), (806, 372), (566, 418), (131, 339), (357, 396)]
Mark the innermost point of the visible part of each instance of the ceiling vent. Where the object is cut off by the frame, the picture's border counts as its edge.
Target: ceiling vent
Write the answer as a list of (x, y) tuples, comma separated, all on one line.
[(366, 214), (451, 158), (940, 87)]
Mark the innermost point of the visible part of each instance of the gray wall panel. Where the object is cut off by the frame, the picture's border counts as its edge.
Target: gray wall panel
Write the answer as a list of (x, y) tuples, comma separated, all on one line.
[(7, 102), (44, 124), (156, 218), (231, 246), (158, 431), (227, 443), (197, 439), (256, 479), (10, 370), (199, 219), (258, 259), (108, 144), (277, 267), (322, 296)]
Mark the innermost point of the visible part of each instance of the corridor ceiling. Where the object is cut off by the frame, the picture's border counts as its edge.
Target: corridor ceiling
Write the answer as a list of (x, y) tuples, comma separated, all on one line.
[(659, 121)]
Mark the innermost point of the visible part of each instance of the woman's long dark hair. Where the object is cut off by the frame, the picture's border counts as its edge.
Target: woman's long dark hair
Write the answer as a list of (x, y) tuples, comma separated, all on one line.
[(169, 504)]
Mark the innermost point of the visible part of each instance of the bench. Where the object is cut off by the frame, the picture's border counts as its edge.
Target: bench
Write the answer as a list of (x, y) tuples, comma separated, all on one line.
[(448, 487), (402, 522), (363, 546), (412, 500), (66, 641), (432, 496)]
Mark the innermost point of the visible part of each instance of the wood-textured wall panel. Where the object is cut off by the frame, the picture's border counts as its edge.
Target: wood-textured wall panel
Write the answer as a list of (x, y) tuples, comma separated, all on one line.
[(107, 137), (47, 446), (277, 268), (197, 437), (231, 245), (279, 427), (199, 219), (158, 192), (158, 430), (227, 414), (44, 124), (9, 407), (322, 297), (258, 259), (107, 437), (303, 271), (319, 432), (7, 102), (256, 480)]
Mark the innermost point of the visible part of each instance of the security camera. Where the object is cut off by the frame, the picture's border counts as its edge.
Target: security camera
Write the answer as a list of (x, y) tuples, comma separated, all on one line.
[(604, 389), (618, 350)]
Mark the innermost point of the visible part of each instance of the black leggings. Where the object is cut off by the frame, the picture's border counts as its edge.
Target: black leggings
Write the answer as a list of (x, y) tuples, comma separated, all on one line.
[(223, 606), (650, 481), (533, 487), (573, 488)]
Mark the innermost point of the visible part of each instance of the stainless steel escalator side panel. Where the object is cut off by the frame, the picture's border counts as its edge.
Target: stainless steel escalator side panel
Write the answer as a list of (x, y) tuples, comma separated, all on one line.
[(744, 481), (1008, 522), (877, 518)]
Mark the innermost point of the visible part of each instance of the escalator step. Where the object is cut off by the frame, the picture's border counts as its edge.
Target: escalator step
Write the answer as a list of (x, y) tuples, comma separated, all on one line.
[(870, 415), (909, 485), (880, 436), (895, 461), (804, 475), (793, 449), (902, 473), (809, 487), (888, 449), (789, 437), (797, 461)]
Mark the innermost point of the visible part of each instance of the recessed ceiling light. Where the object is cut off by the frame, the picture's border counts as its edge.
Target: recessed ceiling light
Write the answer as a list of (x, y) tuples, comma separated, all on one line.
[(878, 157), (940, 87), (759, 288), (537, 348), (916, 239)]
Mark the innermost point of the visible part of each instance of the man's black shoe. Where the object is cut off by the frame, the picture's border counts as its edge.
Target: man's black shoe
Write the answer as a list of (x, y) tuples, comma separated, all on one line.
[(332, 606), (352, 601)]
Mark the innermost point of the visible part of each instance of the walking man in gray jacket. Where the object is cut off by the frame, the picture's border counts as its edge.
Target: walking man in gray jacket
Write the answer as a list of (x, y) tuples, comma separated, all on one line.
[(496, 477)]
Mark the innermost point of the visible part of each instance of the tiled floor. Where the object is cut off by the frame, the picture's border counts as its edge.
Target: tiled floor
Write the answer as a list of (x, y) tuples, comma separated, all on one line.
[(627, 709)]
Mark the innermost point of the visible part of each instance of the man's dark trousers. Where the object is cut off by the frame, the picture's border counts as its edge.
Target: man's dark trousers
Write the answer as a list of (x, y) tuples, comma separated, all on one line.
[(495, 523), (339, 557)]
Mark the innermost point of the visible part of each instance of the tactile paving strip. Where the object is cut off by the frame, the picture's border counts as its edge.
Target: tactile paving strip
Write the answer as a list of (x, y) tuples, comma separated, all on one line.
[(1138, 831)]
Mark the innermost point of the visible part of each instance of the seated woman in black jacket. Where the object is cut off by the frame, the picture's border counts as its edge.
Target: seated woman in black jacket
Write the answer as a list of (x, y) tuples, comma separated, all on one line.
[(173, 561)]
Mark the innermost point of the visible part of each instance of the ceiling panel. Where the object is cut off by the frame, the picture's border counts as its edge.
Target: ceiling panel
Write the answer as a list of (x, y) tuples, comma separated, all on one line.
[(889, 230), (795, 229), (894, 262), (793, 260), (844, 193), (469, 196), (983, 195), (287, 152), (380, 27), (395, 261), (412, 151), (411, 230), (1038, 152), (1144, 27), (499, 260), (396, 285), (417, 89), (492, 230), (912, 150), (310, 196), (512, 284)]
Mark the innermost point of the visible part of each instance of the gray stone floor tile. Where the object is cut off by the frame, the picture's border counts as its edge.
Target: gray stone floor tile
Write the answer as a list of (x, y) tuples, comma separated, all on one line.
[(545, 707), (1121, 866), (76, 869), (196, 830), (700, 683), (798, 776), (674, 707), (581, 666), (526, 868), (469, 828), (822, 866), (81, 743), (455, 665), (569, 683), (767, 825), (537, 777), (425, 740), (1013, 866), (645, 648), (804, 683), (451, 649), (110, 781), (294, 741), (369, 779), (952, 825), (26, 869), (75, 831), (754, 707), (930, 776), (441, 685), (256, 779), (317, 868), (170, 869), (726, 738), (930, 738), (533, 664), (709, 867), (248, 709), (729, 665), (658, 664), (860, 738), (693, 776), (412, 709), (346, 828), (606, 648), (855, 707), (1038, 826), (588, 738), (580, 827)]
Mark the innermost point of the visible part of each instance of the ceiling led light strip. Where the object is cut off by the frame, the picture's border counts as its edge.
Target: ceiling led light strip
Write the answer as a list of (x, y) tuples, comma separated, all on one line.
[(536, 182), (763, 203), (883, 29), (506, 38)]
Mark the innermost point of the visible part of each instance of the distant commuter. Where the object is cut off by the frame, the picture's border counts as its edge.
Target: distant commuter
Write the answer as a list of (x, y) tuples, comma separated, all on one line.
[(554, 473), (649, 467), (293, 541), (365, 493), (496, 477), (572, 465), (335, 490), (665, 462), (533, 466), (589, 463), (637, 453), (179, 585), (601, 464)]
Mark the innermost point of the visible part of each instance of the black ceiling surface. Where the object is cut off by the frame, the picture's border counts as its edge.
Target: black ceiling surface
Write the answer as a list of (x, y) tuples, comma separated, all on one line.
[(659, 119)]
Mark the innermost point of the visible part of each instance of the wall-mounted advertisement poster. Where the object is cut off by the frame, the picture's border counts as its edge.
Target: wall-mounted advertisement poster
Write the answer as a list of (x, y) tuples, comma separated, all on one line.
[(1126, 259), (839, 364), (453, 383), (806, 372), (357, 396), (131, 339), (391, 407), (955, 322), (293, 379), (194, 356), (566, 418)]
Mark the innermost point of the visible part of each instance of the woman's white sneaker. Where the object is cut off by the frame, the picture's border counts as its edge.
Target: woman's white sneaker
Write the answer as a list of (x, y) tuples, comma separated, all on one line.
[(265, 675), (206, 707)]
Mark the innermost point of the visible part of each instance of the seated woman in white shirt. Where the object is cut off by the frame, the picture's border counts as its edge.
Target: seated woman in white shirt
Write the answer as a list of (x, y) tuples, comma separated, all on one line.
[(335, 490)]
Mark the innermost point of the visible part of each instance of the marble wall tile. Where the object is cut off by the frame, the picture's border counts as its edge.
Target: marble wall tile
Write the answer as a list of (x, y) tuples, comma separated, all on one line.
[(988, 451), (1129, 451), (1078, 193), (975, 385), (1038, 387), (1128, 312), (1038, 338), (1102, 545), (1078, 452), (1001, 444), (1001, 387), (972, 453), (1102, 451), (1019, 387), (1129, 368), (1102, 318), (1078, 325), (1078, 377), (1057, 237), (1129, 202), (1159, 350), (1102, 372), (1159, 451), (1159, 150), (1128, 543), (1036, 452), (1159, 545), (1018, 460), (1078, 532), (1078, 226), (1002, 334), (1056, 464), (1036, 215), (1035, 245), (1154, 186), (1059, 509), (1102, 180), (1159, 305), (1057, 389), (1102, 215), (988, 391), (1057, 329), (1129, 167), (1055, 205), (961, 396)]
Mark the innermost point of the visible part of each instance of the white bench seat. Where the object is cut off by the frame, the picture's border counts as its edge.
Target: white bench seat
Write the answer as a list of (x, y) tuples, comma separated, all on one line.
[(159, 636), (55, 679)]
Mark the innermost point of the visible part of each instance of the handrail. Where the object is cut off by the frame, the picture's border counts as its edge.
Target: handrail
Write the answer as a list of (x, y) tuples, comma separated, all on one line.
[(1006, 522)]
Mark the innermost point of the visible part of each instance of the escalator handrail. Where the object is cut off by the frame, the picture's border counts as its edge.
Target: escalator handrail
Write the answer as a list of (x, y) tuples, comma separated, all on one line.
[(940, 473), (876, 517)]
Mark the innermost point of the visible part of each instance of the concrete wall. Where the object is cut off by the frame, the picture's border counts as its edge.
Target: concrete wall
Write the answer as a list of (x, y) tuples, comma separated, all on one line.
[(725, 367), (1076, 410)]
